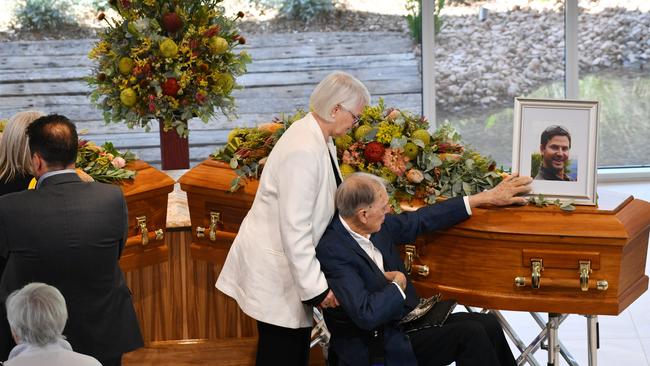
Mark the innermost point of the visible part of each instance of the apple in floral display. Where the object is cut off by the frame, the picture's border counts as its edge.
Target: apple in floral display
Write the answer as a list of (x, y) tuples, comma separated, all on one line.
[(128, 97)]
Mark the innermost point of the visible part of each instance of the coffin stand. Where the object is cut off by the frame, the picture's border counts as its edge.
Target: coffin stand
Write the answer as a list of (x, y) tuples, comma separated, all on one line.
[(590, 261)]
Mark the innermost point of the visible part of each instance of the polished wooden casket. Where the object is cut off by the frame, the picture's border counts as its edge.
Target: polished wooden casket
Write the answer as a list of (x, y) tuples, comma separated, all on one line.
[(215, 212), (146, 199), (590, 261)]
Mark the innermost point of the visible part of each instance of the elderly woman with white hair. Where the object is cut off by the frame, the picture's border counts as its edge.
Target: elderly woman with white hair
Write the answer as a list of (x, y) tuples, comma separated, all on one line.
[(37, 315), (271, 269), (15, 159)]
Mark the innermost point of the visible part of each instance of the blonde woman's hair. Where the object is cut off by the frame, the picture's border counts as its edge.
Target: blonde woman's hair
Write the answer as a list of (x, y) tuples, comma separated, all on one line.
[(15, 158), (338, 88)]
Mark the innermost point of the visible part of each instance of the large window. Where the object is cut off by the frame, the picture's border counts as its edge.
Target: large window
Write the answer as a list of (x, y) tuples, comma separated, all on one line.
[(486, 56)]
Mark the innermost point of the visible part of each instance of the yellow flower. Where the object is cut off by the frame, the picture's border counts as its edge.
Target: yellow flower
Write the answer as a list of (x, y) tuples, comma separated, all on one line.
[(173, 102), (149, 2), (100, 49), (388, 131)]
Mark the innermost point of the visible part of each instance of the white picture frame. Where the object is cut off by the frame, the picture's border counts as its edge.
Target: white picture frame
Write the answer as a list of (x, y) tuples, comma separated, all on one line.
[(555, 176)]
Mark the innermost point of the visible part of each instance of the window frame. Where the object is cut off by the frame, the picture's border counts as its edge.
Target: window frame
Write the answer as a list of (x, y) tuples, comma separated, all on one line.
[(571, 81)]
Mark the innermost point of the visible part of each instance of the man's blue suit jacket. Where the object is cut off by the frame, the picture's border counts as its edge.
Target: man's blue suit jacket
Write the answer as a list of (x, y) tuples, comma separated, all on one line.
[(368, 301)]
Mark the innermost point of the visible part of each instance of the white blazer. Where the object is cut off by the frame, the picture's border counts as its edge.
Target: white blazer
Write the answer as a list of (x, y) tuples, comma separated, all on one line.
[(272, 267)]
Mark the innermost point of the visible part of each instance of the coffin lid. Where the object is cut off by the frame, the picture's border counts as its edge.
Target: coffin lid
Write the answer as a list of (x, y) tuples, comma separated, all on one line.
[(148, 182), (211, 175), (616, 220)]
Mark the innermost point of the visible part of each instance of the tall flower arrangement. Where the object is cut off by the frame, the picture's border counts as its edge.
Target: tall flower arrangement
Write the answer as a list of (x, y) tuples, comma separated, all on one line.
[(169, 60), (418, 165)]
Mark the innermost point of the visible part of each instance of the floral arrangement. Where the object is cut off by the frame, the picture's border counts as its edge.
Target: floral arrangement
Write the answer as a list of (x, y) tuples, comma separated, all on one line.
[(393, 144), (418, 165), (170, 60), (247, 148), (104, 163)]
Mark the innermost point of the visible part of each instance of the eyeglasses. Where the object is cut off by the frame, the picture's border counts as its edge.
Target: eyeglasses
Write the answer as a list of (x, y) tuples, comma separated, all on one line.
[(356, 118)]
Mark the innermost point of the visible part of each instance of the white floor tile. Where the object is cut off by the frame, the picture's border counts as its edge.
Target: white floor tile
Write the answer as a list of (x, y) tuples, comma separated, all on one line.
[(640, 313), (646, 347), (627, 352), (611, 327)]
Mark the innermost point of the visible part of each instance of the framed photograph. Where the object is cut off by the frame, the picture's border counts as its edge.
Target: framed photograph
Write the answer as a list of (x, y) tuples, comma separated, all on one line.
[(556, 142)]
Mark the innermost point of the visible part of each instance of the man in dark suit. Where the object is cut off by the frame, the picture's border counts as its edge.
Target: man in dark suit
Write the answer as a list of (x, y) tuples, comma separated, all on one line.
[(363, 268), (69, 234)]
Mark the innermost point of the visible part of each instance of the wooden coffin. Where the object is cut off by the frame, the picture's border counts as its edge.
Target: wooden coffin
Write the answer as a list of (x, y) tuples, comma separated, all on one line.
[(215, 212), (146, 198), (487, 260)]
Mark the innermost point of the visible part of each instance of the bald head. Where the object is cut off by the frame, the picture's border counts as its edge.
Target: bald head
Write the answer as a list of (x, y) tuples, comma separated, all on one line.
[(357, 191), (55, 139)]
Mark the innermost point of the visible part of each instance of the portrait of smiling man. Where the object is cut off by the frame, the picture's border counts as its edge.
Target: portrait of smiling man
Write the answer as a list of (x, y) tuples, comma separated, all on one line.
[(555, 145)]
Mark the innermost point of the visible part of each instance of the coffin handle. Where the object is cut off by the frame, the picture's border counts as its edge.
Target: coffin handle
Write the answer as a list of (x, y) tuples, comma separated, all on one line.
[(536, 272), (585, 270), (142, 225), (409, 257), (215, 217), (568, 283)]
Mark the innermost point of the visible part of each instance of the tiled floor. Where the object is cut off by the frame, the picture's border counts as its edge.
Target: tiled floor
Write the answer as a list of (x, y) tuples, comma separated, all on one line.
[(624, 339)]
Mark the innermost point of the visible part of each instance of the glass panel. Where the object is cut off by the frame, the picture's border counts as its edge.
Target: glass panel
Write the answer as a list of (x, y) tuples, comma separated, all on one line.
[(614, 46), (486, 56)]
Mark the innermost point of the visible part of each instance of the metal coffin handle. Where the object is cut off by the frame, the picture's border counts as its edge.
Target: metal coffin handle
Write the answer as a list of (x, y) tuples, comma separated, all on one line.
[(141, 224), (409, 257), (215, 218), (536, 272)]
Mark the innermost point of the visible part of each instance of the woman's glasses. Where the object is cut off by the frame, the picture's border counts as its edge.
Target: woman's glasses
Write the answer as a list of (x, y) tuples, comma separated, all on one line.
[(354, 116)]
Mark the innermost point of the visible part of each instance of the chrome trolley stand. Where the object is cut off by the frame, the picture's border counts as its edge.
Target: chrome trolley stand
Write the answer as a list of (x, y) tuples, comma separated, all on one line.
[(548, 339)]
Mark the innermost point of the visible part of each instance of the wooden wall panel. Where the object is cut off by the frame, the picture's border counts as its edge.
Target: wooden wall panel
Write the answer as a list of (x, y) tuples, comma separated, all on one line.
[(158, 293), (213, 315), (177, 299)]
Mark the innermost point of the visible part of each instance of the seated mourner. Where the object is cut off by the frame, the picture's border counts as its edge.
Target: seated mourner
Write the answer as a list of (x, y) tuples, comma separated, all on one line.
[(37, 316), (362, 265)]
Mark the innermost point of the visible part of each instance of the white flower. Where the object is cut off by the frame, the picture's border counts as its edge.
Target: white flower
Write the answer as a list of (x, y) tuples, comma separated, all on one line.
[(118, 162), (414, 176)]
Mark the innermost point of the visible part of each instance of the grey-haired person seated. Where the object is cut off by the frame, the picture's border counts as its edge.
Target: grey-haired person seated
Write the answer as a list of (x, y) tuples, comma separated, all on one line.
[(37, 315), (359, 256)]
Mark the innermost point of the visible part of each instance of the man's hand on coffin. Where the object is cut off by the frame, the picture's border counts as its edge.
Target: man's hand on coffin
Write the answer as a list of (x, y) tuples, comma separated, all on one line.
[(508, 192)]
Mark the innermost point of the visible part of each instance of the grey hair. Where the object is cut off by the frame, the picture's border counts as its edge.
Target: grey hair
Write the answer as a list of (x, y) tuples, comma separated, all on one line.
[(338, 88), (358, 190), (37, 314), (15, 158)]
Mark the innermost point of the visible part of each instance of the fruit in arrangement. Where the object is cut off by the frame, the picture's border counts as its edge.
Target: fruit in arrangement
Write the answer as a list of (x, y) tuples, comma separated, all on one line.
[(361, 132), (125, 65), (411, 150), (224, 83), (168, 48), (218, 45), (422, 135), (128, 97), (343, 142)]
